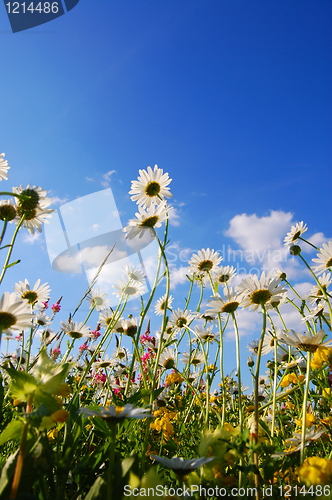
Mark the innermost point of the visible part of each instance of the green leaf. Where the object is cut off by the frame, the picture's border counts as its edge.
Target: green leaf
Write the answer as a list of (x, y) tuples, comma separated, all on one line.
[(13, 431), (23, 385), (7, 472), (98, 490)]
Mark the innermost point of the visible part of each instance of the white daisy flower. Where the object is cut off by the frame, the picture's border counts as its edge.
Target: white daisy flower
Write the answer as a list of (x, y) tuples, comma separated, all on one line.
[(129, 288), (42, 319), (134, 274), (270, 340), (75, 330), (315, 293), (106, 362), (161, 304), (115, 414), (253, 346), (229, 304), (34, 296), (303, 341), (224, 274), (129, 326), (195, 358), (97, 299), (205, 334), (147, 220), (324, 259), (3, 167), (105, 318), (14, 314), (121, 353), (294, 444), (35, 218), (150, 187), (294, 234), (182, 466), (180, 319), (285, 354), (257, 291), (317, 312), (167, 358), (205, 261)]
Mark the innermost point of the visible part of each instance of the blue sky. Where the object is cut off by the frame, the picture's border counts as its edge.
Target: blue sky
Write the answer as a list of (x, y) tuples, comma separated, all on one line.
[(232, 98)]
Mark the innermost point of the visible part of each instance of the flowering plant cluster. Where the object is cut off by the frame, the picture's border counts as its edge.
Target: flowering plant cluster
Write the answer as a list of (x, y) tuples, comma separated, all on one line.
[(82, 415)]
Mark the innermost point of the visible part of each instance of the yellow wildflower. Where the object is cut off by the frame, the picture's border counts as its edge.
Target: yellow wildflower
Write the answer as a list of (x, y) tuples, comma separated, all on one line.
[(291, 378), (309, 420), (323, 355), (60, 416), (315, 470)]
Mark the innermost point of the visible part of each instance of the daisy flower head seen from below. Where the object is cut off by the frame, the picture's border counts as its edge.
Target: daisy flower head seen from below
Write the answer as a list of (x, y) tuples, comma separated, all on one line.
[(14, 314), (134, 274), (147, 220), (33, 208), (257, 292), (195, 358), (228, 304), (129, 288), (35, 296), (303, 341), (316, 293), (162, 304), (75, 330), (295, 233), (204, 262), (167, 358), (3, 167), (129, 326), (205, 334), (116, 414), (150, 187), (180, 319), (97, 299), (324, 259), (224, 274)]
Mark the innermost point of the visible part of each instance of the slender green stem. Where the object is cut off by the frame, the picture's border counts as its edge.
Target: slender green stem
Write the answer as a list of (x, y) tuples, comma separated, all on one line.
[(11, 246), (304, 411), (3, 232), (238, 369)]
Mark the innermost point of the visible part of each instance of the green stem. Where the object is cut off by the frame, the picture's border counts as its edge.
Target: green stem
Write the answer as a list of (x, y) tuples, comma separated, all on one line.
[(304, 411), (11, 246)]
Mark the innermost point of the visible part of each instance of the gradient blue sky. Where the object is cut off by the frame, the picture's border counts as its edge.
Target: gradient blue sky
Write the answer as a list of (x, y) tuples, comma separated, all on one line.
[(231, 97)]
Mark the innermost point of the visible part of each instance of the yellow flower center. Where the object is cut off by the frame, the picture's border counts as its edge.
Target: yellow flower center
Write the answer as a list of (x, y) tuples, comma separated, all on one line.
[(7, 320), (260, 296), (152, 189)]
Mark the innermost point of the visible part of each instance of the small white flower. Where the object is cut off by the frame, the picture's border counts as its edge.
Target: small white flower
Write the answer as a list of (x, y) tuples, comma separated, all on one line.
[(129, 288), (75, 330), (205, 334), (195, 358), (105, 318), (303, 341), (150, 187), (180, 319), (324, 259), (161, 304), (97, 299), (115, 414), (35, 295), (14, 314), (167, 358), (294, 234), (147, 220), (229, 304), (257, 291), (316, 293), (224, 274), (204, 262), (134, 274), (3, 167)]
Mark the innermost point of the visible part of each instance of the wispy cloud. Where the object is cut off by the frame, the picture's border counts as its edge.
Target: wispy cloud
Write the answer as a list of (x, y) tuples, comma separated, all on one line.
[(107, 178)]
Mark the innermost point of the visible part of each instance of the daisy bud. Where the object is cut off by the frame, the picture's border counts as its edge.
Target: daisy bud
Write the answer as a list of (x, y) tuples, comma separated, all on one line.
[(7, 212), (250, 362), (295, 250)]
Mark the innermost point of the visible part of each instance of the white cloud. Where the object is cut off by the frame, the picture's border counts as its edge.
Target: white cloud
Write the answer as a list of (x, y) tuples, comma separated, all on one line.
[(32, 238), (90, 179), (178, 276), (106, 178), (174, 217), (59, 201), (316, 239)]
